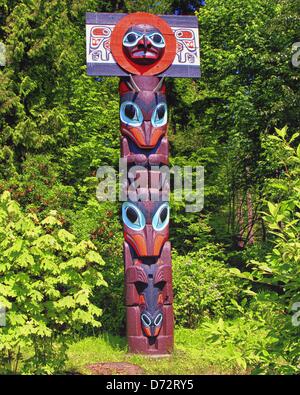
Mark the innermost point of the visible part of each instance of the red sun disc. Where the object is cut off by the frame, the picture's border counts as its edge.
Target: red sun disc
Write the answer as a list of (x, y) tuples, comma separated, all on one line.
[(138, 18)]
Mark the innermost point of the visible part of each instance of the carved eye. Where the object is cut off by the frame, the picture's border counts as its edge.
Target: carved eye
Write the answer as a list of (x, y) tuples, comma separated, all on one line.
[(133, 217), (131, 39), (131, 114), (130, 111), (157, 40), (163, 214), (145, 320), (161, 217), (158, 319), (160, 115)]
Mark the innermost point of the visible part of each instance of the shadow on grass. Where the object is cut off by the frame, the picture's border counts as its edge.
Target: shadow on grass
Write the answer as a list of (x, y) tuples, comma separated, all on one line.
[(116, 342)]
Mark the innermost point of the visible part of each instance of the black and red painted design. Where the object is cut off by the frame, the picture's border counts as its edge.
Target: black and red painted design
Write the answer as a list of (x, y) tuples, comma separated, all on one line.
[(147, 252), (179, 57), (144, 115), (143, 49)]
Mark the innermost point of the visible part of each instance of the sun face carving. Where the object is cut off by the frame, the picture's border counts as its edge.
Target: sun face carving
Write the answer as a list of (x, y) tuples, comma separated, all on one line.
[(144, 44)]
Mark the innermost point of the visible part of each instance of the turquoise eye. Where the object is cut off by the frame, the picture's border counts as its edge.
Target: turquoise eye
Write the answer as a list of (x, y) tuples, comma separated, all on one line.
[(133, 217), (145, 320), (131, 114), (158, 319), (157, 40), (161, 217), (131, 39), (160, 115)]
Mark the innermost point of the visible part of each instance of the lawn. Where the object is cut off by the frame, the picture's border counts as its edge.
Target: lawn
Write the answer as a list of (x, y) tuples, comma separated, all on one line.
[(193, 354)]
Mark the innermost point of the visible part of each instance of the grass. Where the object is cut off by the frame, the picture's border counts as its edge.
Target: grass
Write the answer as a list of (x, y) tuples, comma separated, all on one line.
[(193, 354), (236, 346)]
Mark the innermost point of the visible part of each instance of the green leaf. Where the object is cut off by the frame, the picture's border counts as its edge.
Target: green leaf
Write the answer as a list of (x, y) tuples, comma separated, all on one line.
[(278, 185), (50, 220), (298, 151), (65, 236), (281, 132), (273, 209), (294, 136), (93, 256)]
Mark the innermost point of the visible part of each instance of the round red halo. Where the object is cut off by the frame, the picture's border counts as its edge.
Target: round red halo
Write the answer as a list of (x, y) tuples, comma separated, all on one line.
[(116, 44)]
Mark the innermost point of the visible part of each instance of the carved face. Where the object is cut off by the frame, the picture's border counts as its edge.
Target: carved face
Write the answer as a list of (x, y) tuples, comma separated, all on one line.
[(144, 117), (143, 44), (151, 301), (146, 226)]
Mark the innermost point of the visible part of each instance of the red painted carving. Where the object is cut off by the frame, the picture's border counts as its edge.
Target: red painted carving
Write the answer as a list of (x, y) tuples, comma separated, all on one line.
[(131, 63), (140, 47)]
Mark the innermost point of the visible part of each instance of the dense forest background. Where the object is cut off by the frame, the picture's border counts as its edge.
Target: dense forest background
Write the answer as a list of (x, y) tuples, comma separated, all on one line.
[(236, 264)]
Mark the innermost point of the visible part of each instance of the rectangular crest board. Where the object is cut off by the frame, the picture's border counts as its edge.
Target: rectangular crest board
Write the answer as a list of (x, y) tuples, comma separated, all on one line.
[(100, 61)]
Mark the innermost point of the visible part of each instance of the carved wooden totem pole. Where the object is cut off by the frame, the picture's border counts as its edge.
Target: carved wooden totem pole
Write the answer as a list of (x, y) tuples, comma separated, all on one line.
[(143, 49)]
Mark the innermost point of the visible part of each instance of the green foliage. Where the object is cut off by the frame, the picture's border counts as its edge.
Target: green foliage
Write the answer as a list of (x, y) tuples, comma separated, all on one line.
[(152, 6), (203, 287), (251, 340), (101, 223), (282, 264), (57, 126), (283, 221), (280, 268), (247, 88), (47, 280), (245, 341), (188, 231)]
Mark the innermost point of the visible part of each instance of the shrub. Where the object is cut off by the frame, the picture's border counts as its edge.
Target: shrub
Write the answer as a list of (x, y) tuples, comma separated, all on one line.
[(101, 223), (245, 341), (47, 280), (280, 267), (203, 286)]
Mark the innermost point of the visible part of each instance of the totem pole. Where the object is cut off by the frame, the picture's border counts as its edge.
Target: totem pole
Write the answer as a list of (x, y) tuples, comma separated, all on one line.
[(142, 49)]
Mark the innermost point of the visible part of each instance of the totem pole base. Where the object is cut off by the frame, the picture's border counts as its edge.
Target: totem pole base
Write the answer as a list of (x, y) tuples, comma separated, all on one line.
[(140, 344), (163, 346), (151, 356)]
